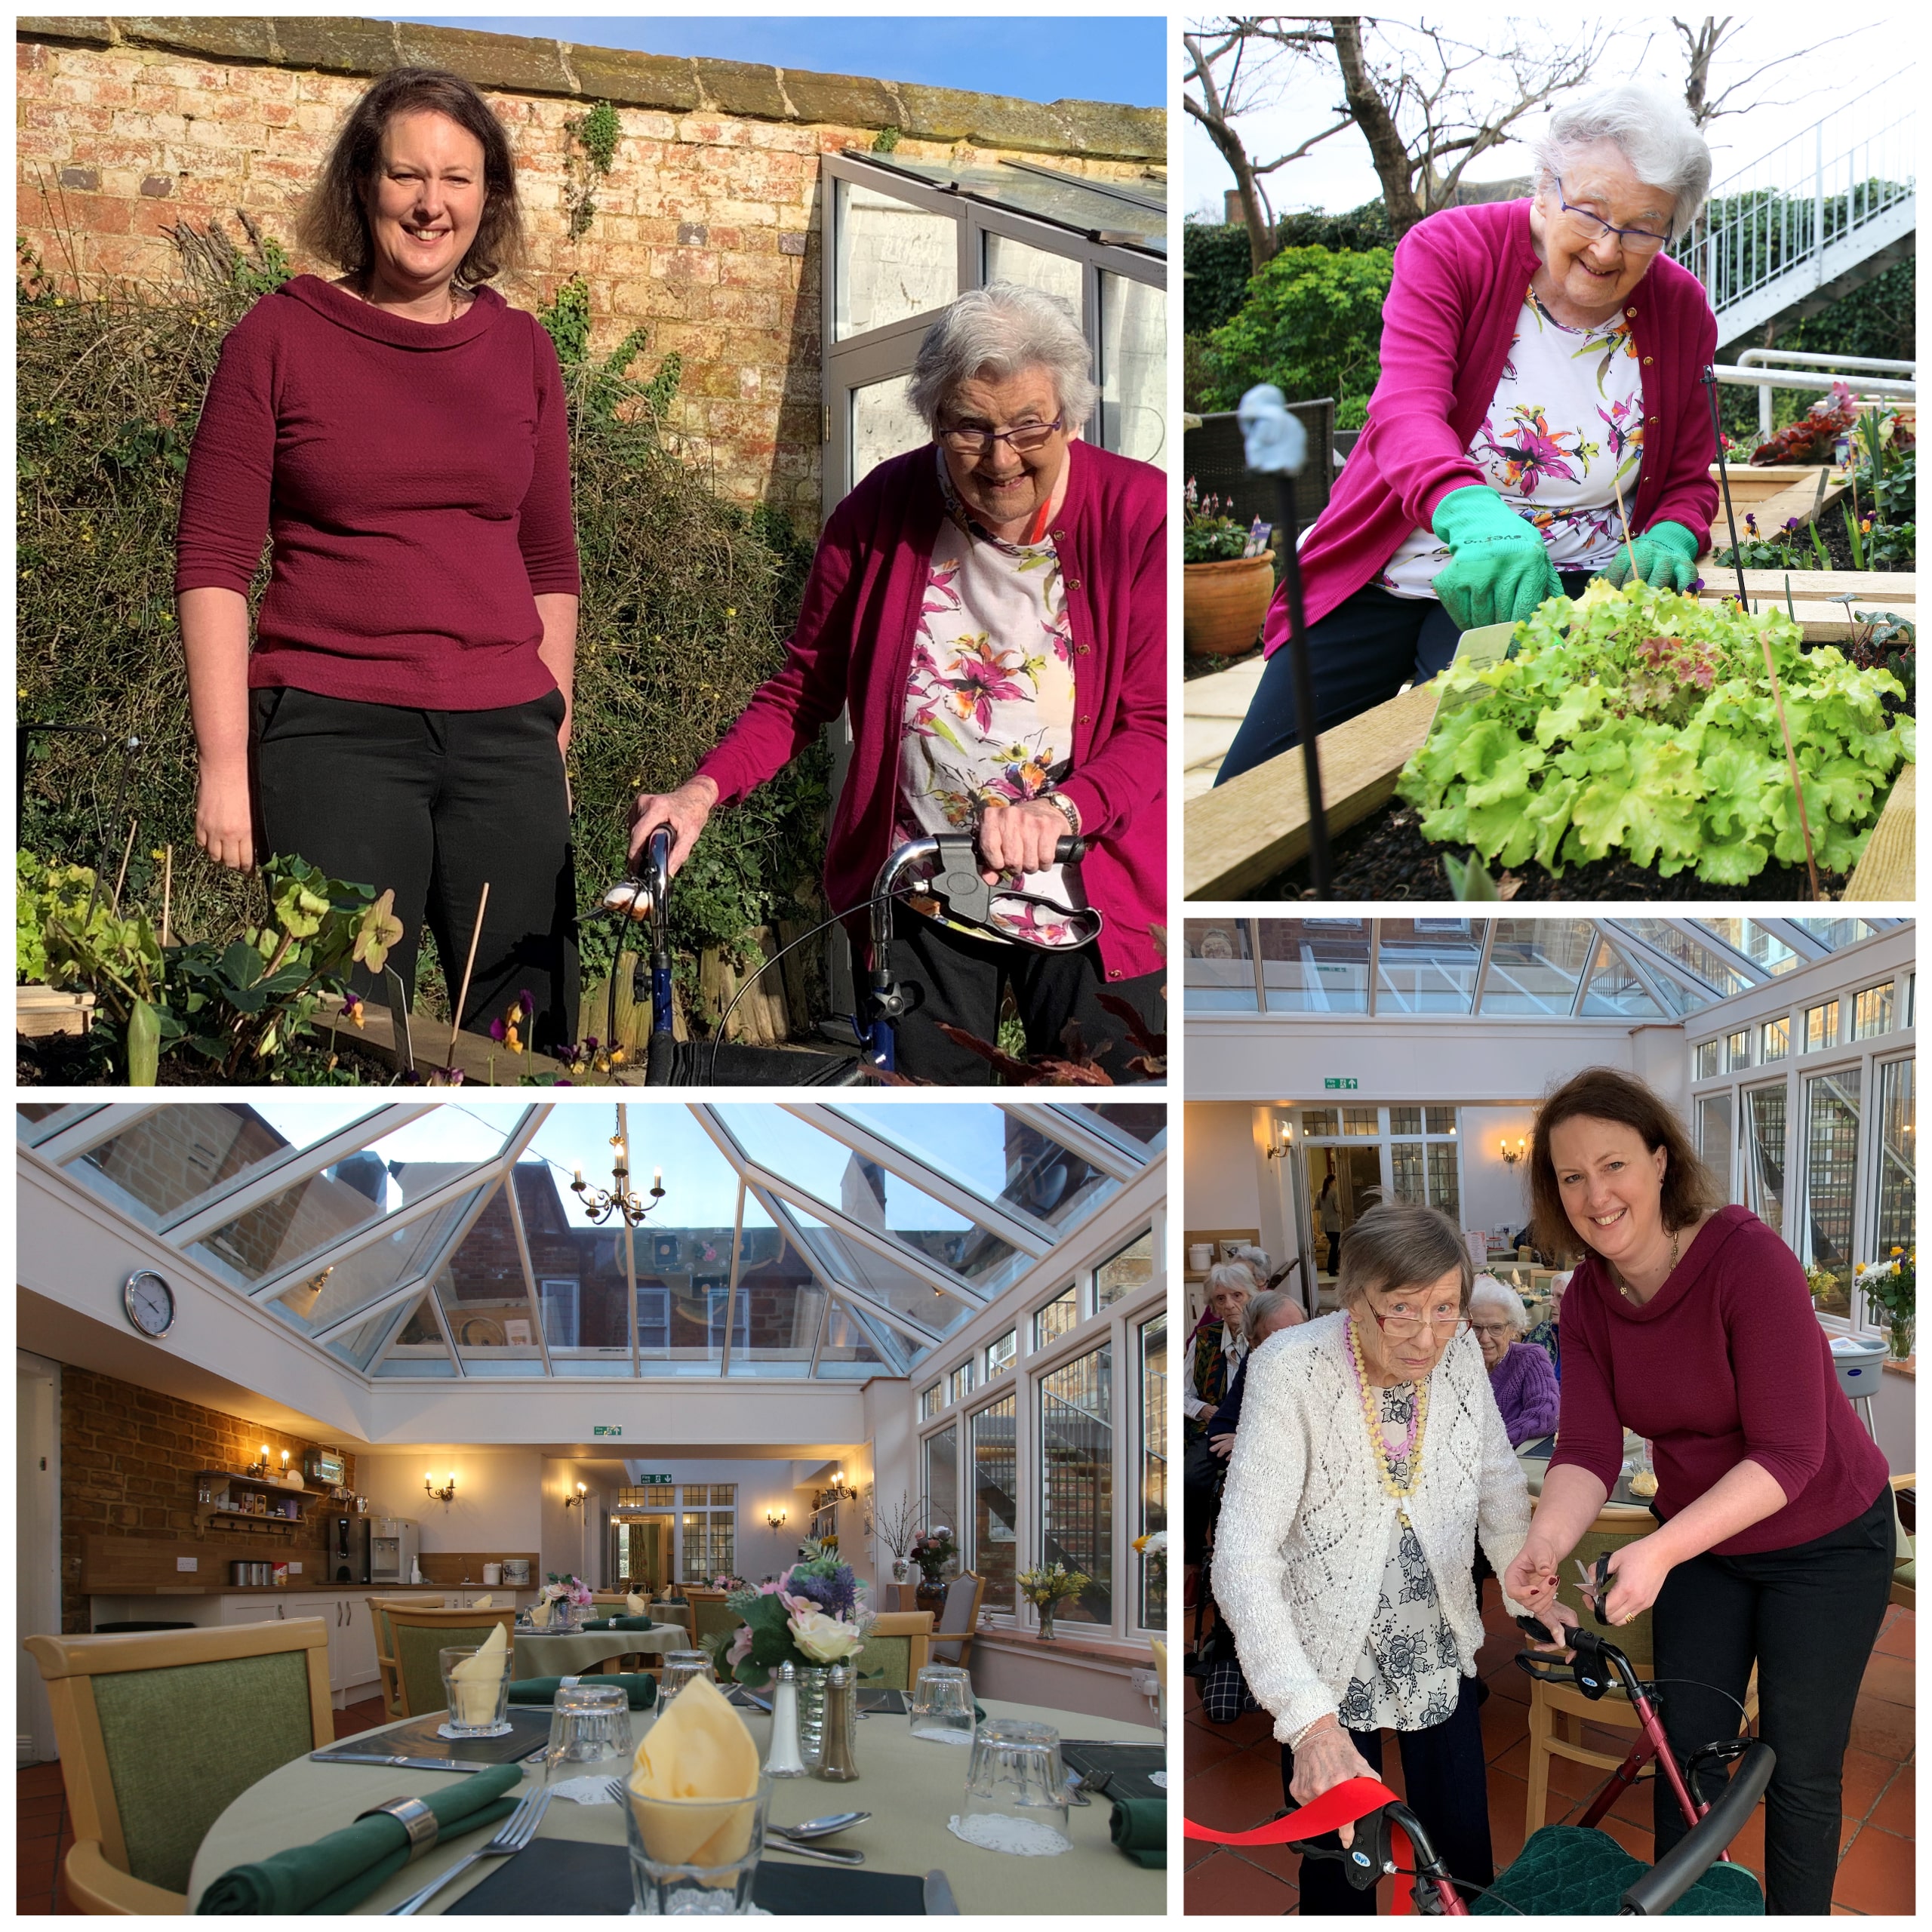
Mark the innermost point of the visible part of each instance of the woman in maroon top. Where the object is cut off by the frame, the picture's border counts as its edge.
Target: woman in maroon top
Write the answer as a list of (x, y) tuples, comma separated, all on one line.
[(399, 432), (1691, 1324)]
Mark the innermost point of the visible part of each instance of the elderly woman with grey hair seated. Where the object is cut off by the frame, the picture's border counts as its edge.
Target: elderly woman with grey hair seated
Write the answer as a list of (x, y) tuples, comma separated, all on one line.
[(989, 610), (1520, 1377), (1370, 1460), (1538, 357)]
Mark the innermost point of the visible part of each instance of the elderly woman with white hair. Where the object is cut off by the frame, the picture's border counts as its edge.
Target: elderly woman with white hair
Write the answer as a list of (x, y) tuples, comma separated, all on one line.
[(1538, 357), (989, 610), (1520, 1377)]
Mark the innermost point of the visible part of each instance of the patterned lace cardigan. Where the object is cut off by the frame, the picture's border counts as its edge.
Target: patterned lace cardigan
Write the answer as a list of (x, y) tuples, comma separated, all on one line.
[(1302, 1537)]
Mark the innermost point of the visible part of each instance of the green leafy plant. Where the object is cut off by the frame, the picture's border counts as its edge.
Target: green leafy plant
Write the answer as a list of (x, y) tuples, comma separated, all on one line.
[(1640, 722), (1312, 325), (1208, 535), (1893, 1285), (595, 137)]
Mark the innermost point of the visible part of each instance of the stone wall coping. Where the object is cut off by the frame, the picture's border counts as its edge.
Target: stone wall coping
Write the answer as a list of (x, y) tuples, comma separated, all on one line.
[(677, 84)]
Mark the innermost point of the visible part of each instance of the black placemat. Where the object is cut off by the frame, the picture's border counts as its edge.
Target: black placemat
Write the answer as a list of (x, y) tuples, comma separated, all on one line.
[(1128, 1765), (529, 1733), (556, 1877), (877, 1703)]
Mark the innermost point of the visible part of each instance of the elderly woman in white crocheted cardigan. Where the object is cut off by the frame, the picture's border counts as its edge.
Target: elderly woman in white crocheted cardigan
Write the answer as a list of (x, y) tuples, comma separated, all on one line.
[(1371, 1457)]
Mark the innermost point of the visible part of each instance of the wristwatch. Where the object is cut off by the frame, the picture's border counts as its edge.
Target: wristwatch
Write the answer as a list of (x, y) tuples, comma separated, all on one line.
[(1066, 805)]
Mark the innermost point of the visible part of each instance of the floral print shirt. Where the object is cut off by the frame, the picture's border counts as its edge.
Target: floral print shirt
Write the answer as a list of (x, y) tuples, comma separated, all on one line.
[(1409, 1676), (1567, 417), (989, 706)]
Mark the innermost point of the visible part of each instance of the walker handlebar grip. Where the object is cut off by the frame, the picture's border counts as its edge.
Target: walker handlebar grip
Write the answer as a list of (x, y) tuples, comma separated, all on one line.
[(1069, 852)]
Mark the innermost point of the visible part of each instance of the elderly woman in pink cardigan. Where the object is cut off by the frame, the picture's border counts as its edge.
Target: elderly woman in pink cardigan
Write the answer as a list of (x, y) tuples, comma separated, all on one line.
[(1538, 357), (990, 610)]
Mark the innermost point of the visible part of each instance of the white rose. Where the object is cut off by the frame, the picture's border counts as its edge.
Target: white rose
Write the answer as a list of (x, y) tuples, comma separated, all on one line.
[(825, 1639)]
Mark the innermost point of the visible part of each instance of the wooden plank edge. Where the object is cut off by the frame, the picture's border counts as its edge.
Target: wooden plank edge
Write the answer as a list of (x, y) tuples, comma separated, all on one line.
[(1887, 872)]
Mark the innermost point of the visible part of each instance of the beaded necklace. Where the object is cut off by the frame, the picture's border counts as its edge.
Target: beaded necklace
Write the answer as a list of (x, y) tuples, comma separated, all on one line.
[(1410, 1451)]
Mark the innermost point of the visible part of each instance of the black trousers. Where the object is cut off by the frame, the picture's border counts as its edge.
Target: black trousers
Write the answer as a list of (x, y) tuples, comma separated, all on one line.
[(963, 981), (1808, 1617), (1360, 655), (1446, 1787), (433, 805)]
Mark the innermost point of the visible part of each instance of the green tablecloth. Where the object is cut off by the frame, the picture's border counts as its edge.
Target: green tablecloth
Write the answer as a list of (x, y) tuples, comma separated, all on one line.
[(582, 1650), (910, 1787)]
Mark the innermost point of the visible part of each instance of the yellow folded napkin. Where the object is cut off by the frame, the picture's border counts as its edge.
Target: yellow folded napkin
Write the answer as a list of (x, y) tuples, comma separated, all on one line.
[(635, 1604), (476, 1681), (483, 1602), (540, 1614), (694, 1780), (1160, 1651)]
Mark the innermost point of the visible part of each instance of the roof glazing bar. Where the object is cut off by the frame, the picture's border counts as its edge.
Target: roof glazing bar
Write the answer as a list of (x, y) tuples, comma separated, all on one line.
[(1062, 1122), (731, 1290), (87, 1130), (509, 1186), (903, 1324)]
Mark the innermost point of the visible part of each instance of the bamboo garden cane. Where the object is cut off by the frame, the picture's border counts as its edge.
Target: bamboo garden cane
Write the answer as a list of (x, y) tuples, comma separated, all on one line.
[(462, 997)]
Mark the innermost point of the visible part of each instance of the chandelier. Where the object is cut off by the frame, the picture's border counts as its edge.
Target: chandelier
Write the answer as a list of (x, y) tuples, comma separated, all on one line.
[(600, 1205)]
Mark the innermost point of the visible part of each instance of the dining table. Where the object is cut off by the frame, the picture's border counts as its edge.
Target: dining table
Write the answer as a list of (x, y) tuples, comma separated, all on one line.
[(911, 1786), (574, 1652)]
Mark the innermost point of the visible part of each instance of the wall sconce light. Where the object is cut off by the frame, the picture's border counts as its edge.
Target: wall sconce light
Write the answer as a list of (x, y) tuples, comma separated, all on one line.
[(1510, 1156), (576, 1501), (1285, 1145), (447, 1493), (259, 1466), (775, 1518)]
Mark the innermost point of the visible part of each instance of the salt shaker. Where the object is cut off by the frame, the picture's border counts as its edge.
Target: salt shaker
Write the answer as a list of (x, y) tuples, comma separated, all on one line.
[(836, 1764), (782, 1760)]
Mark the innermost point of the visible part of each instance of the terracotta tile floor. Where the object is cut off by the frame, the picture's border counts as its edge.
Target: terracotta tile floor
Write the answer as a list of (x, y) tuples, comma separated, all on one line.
[(1234, 1781), (43, 1832)]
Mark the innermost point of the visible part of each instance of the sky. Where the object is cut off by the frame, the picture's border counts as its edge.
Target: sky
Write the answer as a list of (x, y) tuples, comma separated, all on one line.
[(1075, 57), (1337, 175)]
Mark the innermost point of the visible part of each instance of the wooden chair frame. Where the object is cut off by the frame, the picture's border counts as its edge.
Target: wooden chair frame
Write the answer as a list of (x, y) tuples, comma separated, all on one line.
[(1905, 1595), (98, 1879), (916, 1626), (964, 1639), (385, 1665), (432, 1617)]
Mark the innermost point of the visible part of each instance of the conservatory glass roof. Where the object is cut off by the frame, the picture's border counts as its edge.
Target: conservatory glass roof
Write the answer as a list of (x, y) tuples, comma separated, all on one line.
[(1132, 213), (475, 1239), (1519, 968)]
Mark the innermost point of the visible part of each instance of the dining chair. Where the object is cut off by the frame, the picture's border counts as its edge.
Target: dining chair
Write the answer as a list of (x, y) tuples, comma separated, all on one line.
[(159, 1732), (385, 1648), (1905, 1562), (953, 1637), (896, 1648), (420, 1630), (712, 1617), (1559, 1711)]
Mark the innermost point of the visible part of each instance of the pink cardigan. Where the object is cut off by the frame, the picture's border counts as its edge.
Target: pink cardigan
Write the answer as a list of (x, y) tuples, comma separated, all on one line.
[(1460, 280), (853, 646)]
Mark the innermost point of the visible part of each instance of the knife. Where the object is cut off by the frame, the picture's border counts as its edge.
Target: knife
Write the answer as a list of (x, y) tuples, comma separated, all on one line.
[(420, 1764), (939, 1901)]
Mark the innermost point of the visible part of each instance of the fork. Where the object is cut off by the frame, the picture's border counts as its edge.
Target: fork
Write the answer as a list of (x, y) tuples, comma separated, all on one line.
[(515, 1832)]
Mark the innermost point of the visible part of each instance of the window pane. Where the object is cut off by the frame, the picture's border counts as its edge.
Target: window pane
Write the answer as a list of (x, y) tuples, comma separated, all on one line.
[(931, 1400), (1898, 1131), (1714, 1139), (1134, 368), (959, 1384), (1614, 988), (1057, 275), (1737, 1051), (1320, 1122), (1405, 1120), (1745, 935), (1364, 1122), (1535, 965), (1695, 958), (1060, 1314), (883, 425), (1136, 1126), (1872, 1012), (1831, 1167), (1443, 1191), (994, 1550), (942, 1477), (1132, 1268), (1774, 1040), (1821, 1027), (1439, 1120), (1219, 971), (894, 260), (1706, 1056), (1000, 1355), (1765, 1121), (1153, 1427), (1076, 1479), (1315, 965), (1426, 965)]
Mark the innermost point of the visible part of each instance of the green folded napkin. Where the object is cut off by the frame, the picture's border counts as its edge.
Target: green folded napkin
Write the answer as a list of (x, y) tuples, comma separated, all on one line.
[(642, 1691), (337, 1872), (1140, 1830)]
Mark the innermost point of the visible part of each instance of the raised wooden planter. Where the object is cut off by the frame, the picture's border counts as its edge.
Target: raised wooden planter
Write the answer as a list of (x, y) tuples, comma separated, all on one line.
[(1223, 605), (39, 1012), (1815, 595), (1887, 873), (1776, 491), (476, 1056)]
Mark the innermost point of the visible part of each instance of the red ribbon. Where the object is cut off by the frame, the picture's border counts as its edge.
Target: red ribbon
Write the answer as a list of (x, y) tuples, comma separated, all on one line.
[(1345, 1804)]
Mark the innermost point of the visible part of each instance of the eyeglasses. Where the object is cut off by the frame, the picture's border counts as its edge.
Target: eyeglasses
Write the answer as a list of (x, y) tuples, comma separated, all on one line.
[(1638, 241), (1490, 1328), (1449, 1321), (1028, 437)]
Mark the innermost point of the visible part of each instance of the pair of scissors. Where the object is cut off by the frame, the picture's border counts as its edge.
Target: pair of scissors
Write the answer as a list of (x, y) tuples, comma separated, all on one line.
[(1594, 1585)]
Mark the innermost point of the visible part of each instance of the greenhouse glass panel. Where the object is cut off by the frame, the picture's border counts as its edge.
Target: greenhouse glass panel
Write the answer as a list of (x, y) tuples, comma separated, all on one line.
[(1534, 965), (1152, 1425), (1821, 1027), (884, 424), (1837, 934), (1831, 1179), (846, 1353), (887, 1283), (1060, 276), (1426, 965), (1120, 1274), (1137, 1128), (941, 1477), (1764, 1150), (1774, 1040), (1314, 965), (338, 1290), (1615, 991), (1897, 1205), (1059, 1315), (994, 1551), (1714, 1141), (1762, 947), (893, 261), (1134, 367), (780, 1307), (1696, 958), (1137, 208), (1872, 1012), (1220, 966), (1077, 1479)]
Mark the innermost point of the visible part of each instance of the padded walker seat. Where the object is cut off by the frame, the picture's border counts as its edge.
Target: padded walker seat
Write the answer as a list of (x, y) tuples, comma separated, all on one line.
[(896, 1650), (159, 1732), (1563, 1868), (420, 1630)]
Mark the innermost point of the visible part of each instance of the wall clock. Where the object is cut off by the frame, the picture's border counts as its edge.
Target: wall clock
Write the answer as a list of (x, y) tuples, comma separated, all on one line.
[(150, 1302)]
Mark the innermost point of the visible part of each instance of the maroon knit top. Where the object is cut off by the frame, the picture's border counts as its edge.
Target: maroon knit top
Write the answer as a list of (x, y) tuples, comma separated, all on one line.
[(1726, 1362), (415, 478)]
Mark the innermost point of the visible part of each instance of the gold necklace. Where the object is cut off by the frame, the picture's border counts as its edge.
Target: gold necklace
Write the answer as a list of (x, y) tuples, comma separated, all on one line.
[(1371, 1417), (1624, 1288)]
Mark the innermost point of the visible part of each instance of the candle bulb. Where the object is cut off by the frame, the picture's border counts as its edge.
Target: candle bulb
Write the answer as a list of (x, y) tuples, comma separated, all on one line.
[(657, 1180), (579, 1174)]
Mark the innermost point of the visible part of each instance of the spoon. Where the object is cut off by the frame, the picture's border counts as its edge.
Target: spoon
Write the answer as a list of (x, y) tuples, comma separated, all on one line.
[(821, 1827)]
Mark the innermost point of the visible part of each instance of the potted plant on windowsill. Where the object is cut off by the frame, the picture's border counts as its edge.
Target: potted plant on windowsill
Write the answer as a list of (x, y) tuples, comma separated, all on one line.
[(1230, 578), (1048, 1586), (1893, 1285)]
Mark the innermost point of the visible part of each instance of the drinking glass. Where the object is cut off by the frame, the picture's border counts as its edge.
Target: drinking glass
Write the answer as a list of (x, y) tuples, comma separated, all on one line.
[(691, 1855), (590, 1735), (477, 1708), (680, 1668), (1015, 1788), (943, 1704)]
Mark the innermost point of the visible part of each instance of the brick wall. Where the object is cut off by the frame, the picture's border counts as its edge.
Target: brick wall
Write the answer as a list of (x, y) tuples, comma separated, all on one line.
[(128, 1459), (707, 230)]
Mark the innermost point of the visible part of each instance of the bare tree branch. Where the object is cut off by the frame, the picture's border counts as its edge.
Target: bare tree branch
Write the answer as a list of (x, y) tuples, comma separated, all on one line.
[(1703, 45)]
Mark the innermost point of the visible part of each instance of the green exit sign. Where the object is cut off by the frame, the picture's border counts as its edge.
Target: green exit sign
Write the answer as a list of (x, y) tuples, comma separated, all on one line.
[(1340, 1086), (607, 1429)]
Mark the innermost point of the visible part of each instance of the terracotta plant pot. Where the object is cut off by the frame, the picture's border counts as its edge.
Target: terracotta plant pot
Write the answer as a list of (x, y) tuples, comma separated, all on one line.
[(1223, 605)]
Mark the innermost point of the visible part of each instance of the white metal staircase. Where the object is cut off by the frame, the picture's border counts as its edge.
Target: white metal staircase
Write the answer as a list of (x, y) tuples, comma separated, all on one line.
[(1818, 216)]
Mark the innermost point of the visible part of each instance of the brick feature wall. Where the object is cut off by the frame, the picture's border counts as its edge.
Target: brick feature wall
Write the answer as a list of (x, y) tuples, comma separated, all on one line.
[(707, 230), (128, 1459)]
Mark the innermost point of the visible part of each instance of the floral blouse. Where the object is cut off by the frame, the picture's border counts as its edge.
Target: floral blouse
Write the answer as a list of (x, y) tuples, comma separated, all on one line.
[(1409, 1676), (989, 705), (1567, 417)]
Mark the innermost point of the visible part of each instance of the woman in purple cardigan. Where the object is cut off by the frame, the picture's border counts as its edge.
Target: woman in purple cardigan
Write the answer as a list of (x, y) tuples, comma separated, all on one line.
[(1536, 357), (990, 611), (1520, 1377)]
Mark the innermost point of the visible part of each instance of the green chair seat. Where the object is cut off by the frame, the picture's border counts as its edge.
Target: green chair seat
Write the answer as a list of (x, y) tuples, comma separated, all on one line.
[(417, 1669), (885, 1663), (1565, 1869), (183, 1741)]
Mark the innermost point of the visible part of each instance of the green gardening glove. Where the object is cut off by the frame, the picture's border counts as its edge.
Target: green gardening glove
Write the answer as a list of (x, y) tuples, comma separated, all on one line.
[(1665, 557), (1499, 570)]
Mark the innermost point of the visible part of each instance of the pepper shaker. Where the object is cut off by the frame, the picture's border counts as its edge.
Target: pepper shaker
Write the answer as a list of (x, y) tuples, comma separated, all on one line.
[(837, 1764), (783, 1760)]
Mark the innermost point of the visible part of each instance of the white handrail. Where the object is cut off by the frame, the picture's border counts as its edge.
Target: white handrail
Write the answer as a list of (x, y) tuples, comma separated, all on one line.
[(1786, 358)]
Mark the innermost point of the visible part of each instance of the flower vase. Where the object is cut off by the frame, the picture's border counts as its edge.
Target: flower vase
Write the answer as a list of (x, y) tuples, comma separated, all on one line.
[(930, 1594), (1898, 1335), (811, 1713), (1047, 1622), (902, 1570)]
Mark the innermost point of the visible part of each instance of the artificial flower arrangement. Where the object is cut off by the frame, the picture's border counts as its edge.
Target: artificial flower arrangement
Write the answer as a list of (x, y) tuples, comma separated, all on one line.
[(1893, 1285), (932, 1550), (1049, 1585), (814, 1613), (727, 1582), (566, 1588), (1154, 1543)]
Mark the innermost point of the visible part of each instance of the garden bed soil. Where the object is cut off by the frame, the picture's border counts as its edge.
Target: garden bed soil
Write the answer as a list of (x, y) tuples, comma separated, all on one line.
[(1385, 857), (1831, 527), (83, 1060)]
